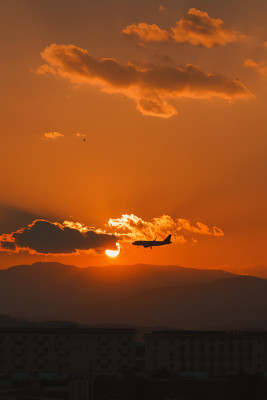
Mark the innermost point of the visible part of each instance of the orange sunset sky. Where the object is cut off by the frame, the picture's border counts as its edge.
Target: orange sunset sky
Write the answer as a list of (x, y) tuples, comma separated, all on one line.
[(125, 120)]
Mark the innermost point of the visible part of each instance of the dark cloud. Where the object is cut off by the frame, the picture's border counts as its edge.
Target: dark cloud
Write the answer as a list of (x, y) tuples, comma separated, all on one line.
[(46, 237), (164, 59), (151, 86), (8, 245)]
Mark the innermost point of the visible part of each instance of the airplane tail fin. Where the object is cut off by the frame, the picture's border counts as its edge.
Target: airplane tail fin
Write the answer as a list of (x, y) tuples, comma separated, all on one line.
[(168, 239)]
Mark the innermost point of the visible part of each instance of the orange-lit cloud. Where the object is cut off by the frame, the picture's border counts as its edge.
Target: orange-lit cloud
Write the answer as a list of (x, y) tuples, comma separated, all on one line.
[(148, 33), (53, 238), (45, 237), (151, 87), (129, 227), (196, 27), (44, 69), (260, 67), (53, 135), (81, 135)]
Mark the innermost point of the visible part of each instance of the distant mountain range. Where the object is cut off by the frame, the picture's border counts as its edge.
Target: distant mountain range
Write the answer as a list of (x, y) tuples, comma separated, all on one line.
[(139, 295), (235, 303)]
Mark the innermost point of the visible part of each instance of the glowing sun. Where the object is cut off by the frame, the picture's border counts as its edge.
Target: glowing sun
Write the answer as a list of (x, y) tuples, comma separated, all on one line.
[(113, 253)]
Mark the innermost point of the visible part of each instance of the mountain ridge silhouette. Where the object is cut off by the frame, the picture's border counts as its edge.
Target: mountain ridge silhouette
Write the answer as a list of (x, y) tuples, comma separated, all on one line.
[(140, 294)]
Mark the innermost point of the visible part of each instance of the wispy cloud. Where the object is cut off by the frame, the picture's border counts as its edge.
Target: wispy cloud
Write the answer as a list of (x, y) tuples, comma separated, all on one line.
[(130, 227), (53, 135), (260, 67), (82, 135), (151, 87), (196, 27)]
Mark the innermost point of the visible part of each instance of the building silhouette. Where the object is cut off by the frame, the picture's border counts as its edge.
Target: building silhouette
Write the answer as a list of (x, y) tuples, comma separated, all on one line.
[(66, 352), (76, 353), (206, 353)]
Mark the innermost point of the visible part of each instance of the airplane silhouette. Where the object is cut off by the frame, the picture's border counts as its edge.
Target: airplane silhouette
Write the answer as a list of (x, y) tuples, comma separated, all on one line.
[(152, 243)]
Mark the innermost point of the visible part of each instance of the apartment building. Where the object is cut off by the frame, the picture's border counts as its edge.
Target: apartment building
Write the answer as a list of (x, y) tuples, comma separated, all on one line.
[(183, 353), (66, 350), (81, 352)]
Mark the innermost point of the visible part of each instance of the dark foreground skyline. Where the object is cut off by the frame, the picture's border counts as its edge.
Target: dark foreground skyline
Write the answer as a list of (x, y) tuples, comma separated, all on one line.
[(46, 353), (81, 363)]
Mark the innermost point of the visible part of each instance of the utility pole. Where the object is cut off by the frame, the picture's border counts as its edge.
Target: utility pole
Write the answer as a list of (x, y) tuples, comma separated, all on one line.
[(171, 364), (91, 386)]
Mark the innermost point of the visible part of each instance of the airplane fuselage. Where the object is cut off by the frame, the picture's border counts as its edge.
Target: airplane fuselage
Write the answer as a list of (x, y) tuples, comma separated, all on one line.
[(152, 243)]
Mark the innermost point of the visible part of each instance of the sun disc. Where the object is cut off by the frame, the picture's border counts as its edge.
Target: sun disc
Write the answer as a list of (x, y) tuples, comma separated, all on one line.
[(113, 253)]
